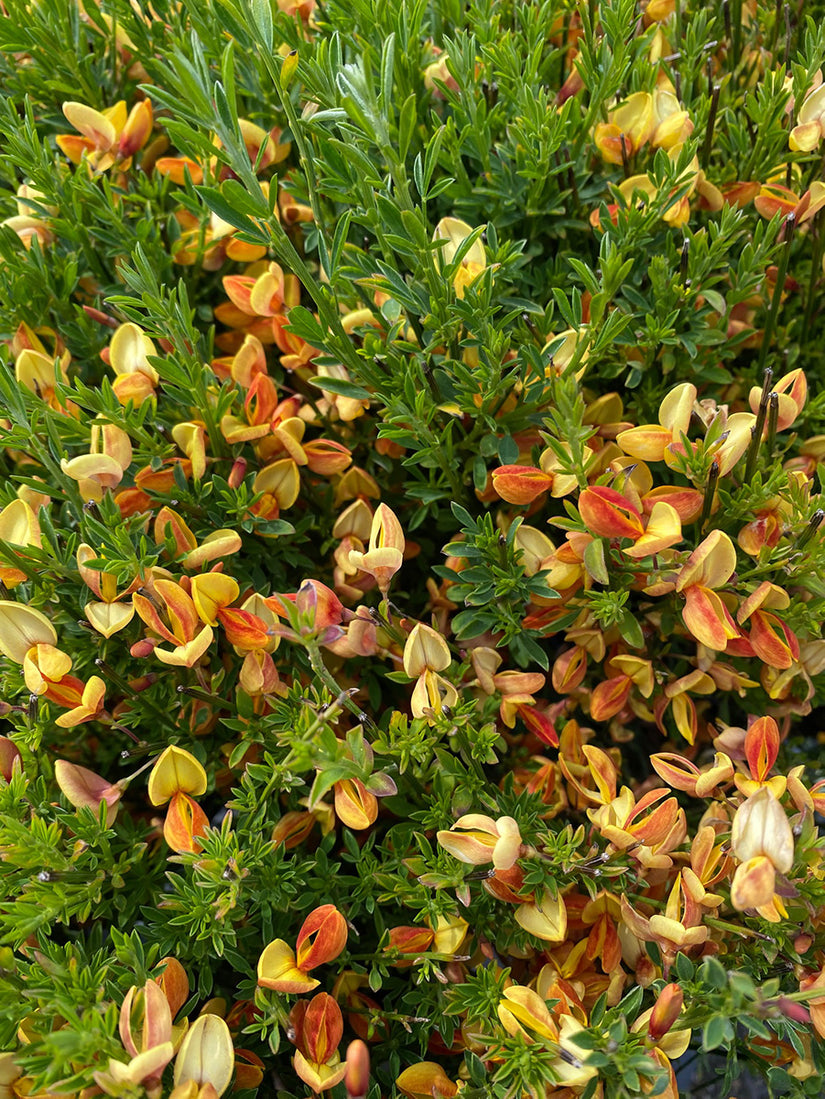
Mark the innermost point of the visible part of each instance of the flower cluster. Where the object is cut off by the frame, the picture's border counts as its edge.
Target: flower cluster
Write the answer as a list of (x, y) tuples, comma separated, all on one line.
[(412, 571)]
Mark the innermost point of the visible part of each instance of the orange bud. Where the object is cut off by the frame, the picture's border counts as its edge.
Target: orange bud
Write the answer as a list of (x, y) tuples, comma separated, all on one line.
[(521, 485), (136, 131), (762, 746), (174, 983), (323, 1028), (292, 829), (412, 941), (357, 1078), (665, 1012), (10, 758)]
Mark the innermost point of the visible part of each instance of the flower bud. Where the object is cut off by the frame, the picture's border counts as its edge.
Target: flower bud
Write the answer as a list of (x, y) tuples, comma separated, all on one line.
[(357, 1077), (665, 1012)]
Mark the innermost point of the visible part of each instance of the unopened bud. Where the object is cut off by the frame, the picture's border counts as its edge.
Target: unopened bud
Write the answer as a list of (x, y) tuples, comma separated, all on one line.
[(357, 1077), (237, 473), (665, 1012)]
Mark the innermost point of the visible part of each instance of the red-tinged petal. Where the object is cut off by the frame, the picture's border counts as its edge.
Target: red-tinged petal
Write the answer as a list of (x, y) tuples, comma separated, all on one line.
[(707, 618), (653, 828), (609, 697), (686, 501), (239, 289), (322, 937), (569, 670), (608, 514), (244, 630), (185, 825), (180, 608), (773, 641), (149, 615), (539, 724), (84, 788), (677, 772), (323, 1028), (603, 770), (327, 457), (521, 485), (762, 746)]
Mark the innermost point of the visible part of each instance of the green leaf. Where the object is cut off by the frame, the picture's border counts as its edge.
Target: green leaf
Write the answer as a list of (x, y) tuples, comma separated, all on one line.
[(595, 561), (261, 12), (713, 1033), (228, 212), (342, 387)]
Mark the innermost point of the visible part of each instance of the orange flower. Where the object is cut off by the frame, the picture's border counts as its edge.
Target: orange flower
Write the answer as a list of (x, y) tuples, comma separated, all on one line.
[(710, 566), (186, 634), (321, 939), (107, 137)]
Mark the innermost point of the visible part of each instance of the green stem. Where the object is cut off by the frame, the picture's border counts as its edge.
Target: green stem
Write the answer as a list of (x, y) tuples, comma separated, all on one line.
[(776, 300), (319, 667)]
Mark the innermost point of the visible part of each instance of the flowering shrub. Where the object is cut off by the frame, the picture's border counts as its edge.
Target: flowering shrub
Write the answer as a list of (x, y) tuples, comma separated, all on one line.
[(411, 547)]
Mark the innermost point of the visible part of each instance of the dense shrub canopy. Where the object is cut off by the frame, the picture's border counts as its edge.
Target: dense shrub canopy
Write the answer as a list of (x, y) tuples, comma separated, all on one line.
[(411, 547)]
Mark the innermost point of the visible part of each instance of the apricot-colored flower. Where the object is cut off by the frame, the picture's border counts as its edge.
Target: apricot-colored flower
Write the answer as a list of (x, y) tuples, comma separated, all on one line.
[(710, 566), (185, 632), (478, 839)]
